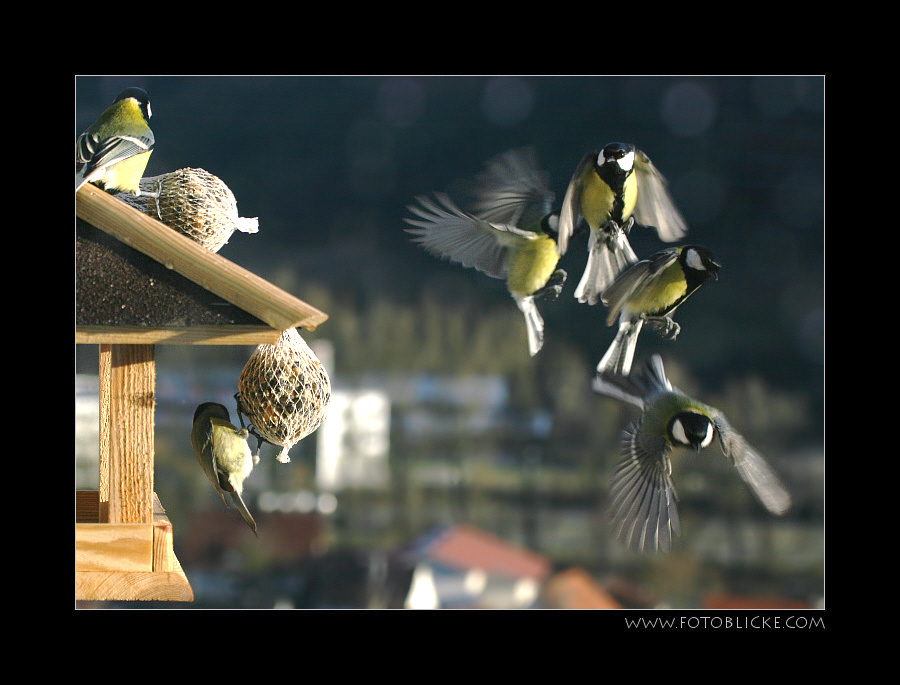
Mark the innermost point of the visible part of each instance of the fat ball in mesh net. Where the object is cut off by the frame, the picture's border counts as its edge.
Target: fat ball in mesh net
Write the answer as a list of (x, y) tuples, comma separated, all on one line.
[(198, 204), (284, 391)]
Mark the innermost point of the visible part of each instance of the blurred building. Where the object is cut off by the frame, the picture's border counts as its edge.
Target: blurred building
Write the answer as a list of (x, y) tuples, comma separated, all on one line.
[(462, 567), (352, 443)]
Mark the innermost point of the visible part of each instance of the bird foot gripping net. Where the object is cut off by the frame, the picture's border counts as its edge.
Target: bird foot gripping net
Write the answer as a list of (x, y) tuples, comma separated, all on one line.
[(284, 390), (197, 204)]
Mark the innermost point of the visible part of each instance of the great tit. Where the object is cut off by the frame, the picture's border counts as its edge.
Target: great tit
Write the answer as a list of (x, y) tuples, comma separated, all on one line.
[(649, 291), (512, 236), (224, 454), (643, 497), (609, 190), (114, 151)]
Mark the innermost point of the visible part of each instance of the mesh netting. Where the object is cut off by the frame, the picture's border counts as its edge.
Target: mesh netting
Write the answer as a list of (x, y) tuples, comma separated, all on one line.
[(284, 390), (198, 204)]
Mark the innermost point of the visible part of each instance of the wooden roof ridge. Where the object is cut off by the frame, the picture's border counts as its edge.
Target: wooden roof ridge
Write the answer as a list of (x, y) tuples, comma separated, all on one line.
[(235, 284)]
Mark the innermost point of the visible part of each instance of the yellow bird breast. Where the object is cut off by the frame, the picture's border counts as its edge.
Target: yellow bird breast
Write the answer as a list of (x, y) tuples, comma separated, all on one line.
[(630, 196), (531, 266), (599, 203), (126, 175)]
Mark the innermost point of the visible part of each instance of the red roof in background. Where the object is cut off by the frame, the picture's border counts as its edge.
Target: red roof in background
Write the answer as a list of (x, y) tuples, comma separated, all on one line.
[(576, 589), (465, 546)]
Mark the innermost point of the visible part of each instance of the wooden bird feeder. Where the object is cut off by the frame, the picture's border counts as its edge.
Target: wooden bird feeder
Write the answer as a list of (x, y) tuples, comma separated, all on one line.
[(140, 283)]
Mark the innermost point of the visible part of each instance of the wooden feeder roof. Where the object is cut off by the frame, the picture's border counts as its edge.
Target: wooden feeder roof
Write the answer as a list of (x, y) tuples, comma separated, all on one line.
[(139, 281)]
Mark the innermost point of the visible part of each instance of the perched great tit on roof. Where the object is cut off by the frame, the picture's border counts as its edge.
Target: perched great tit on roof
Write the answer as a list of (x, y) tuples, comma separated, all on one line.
[(609, 190), (224, 454), (649, 291), (114, 151), (643, 497), (511, 234)]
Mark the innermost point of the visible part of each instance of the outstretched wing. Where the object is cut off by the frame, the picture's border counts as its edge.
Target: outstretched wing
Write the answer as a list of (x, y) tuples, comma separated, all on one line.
[(513, 190), (446, 231), (655, 206), (570, 213), (753, 468), (643, 507)]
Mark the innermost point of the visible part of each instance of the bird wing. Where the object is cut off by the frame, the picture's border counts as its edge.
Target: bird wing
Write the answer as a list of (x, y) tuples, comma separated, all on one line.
[(643, 497), (753, 468), (633, 279), (639, 388), (446, 231), (618, 387), (570, 213), (513, 189), (655, 206), (202, 441), (96, 153)]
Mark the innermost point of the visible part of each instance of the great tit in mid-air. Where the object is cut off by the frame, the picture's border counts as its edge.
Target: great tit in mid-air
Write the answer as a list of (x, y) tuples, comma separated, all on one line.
[(224, 454), (643, 498), (114, 151), (648, 292), (610, 189), (511, 234)]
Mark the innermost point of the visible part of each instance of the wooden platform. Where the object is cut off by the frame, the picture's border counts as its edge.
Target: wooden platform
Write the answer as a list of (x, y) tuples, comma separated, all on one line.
[(125, 561)]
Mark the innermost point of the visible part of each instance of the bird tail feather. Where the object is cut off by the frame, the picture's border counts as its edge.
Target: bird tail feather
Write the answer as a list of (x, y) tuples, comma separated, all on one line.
[(605, 262), (534, 324), (245, 514), (620, 354)]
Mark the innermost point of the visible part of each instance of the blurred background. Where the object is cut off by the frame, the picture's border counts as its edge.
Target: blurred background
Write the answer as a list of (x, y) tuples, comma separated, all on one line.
[(454, 470)]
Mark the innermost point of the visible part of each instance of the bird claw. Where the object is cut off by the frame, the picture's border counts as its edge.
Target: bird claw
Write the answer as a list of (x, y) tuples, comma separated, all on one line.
[(553, 288), (664, 326), (156, 196), (147, 193), (616, 234)]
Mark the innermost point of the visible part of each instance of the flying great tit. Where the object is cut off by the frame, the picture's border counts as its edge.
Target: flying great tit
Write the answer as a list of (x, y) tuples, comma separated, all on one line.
[(512, 236), (643, 497), (224, 454), (114, 151), (649, 291), (609, 190)]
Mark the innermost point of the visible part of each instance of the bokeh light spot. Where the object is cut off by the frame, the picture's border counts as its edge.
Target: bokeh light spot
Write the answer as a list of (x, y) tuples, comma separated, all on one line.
[(688, 108), (400, 101), (507, 100)]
